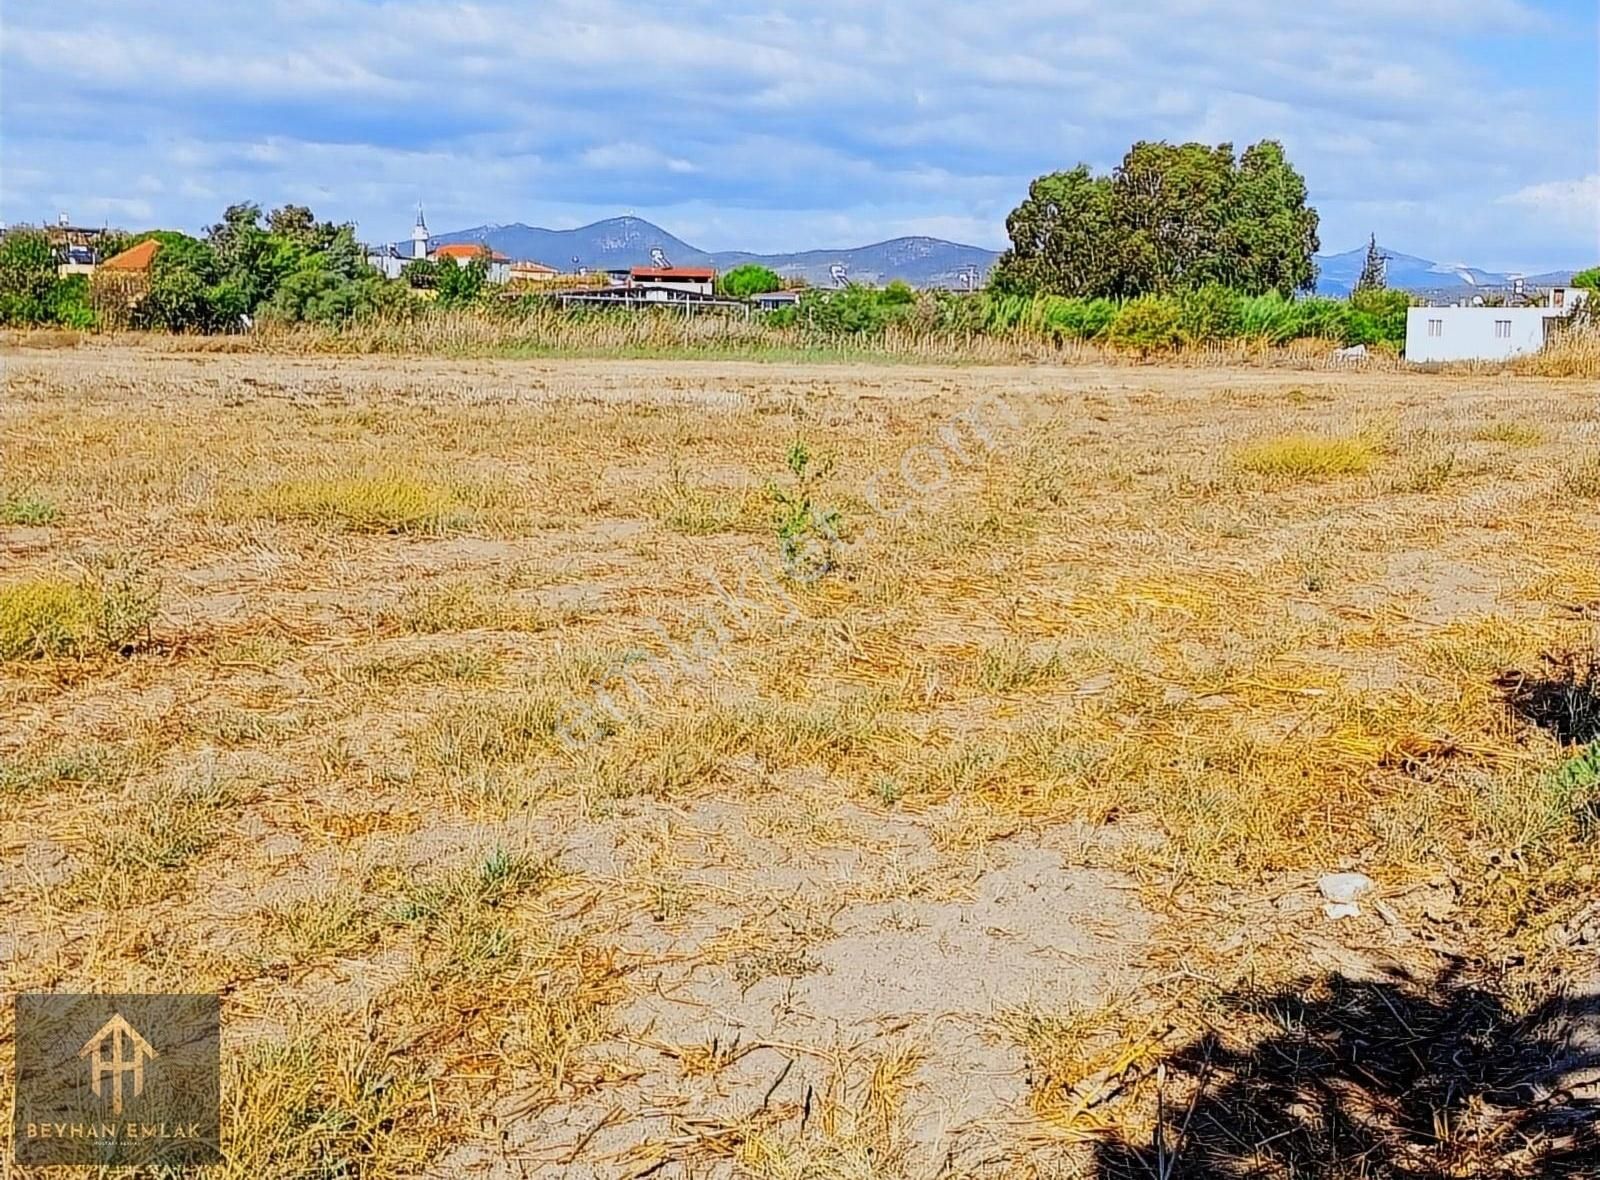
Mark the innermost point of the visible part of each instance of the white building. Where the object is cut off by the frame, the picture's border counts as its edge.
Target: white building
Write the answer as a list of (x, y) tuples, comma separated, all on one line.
[(391, 259), (666, 282), (1485, 333)]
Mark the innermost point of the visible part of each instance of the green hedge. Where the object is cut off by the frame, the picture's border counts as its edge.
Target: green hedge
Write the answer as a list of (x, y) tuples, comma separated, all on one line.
[(1211, 314)]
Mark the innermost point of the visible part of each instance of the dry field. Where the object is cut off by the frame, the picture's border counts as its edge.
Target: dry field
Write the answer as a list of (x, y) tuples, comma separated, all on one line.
[(460, 723)]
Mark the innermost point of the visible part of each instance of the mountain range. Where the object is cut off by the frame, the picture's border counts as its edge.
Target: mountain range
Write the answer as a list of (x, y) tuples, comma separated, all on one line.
[(923, 262), (1337, 274), (629, 241)]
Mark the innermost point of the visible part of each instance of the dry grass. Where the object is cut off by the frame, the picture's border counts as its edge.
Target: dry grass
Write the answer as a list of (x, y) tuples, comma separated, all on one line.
[(1304, 456), (108, 608), (1581, 477), (460, 736), (378, 504), (1514, 434), (1573, 353)]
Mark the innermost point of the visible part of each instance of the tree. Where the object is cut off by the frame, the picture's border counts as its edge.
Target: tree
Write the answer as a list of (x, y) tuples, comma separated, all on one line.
[(1373, 276), (1170, 218), (1588, 278), (188, 290), (298, 224), (461, 283), (750, 279), (421, 272), (27, 277), (1061, 238)]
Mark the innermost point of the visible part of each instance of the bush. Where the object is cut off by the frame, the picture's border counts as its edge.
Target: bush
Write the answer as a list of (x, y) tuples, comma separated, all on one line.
[(27, 275), (1210, 314), (1270, 318), (70, 303), (109, 609), (1386, 314), (1151, 323), (750, 279), (859, 310)]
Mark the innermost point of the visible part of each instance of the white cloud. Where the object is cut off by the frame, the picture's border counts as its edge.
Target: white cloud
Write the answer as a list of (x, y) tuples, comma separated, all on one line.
[(1575, 203), (767, 125)]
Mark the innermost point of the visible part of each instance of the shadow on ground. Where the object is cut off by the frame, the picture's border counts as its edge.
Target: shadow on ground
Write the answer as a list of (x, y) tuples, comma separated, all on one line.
[(1563, 697), (1386, 1079)]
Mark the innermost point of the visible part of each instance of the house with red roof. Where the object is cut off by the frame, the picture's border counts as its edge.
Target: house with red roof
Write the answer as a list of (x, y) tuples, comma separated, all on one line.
[(135, 260)]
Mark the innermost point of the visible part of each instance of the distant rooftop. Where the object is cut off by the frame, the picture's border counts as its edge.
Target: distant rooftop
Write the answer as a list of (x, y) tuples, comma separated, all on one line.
[(135, 258)]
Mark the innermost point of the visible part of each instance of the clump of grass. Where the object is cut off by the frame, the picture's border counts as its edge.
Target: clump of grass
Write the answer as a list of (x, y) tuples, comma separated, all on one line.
[(27, 509), (44, 617), (462, 606), (699, 512), (1514, 434), (328, 1104), (331, 922), (1582, 478), (1308, 456), (465, 912), (1012, 666), (137, 850), (1427, 472), (501, 877), (481, 751), (92, 765), (371, 504), (109, 608)]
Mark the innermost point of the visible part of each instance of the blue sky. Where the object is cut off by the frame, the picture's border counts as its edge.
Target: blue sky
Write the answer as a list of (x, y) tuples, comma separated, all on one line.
[(1461, 130)]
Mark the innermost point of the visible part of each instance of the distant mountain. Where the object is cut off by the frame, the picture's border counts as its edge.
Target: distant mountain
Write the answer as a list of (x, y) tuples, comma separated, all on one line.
[(922, 262), (1337, 275), (628, 241)]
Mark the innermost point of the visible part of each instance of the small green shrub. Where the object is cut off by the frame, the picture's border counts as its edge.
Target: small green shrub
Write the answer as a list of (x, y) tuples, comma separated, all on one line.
[(808, 534), (110, 608), (27, 509), (1211, 314), (1148, 324)]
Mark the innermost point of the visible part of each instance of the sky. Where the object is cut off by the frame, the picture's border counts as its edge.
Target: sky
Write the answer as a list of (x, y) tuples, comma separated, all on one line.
[(1464, 131)]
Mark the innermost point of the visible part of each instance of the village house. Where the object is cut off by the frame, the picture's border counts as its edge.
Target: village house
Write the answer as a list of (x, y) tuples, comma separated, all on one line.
[(391, 259), (527, 271), (462, 253), (674, 281), (1477, 333), (135, 260)]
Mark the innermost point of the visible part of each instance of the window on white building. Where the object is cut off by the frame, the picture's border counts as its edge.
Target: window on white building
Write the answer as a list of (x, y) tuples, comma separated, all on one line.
[(1502, 329), (1436, 327)]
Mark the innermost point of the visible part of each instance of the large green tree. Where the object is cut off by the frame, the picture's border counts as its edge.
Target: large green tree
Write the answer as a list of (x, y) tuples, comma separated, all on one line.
[(1169, 218), (1062, 238), (749, 279)]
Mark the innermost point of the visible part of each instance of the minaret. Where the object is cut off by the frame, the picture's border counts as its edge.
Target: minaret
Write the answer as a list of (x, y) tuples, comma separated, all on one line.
[(419, 236)]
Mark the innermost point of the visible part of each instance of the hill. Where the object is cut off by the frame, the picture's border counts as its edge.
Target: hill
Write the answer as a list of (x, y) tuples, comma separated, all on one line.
[(628, 241), (920, 261)]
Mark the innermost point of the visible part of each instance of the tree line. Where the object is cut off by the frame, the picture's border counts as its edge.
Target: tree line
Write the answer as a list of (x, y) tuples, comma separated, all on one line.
[(1178, 244)]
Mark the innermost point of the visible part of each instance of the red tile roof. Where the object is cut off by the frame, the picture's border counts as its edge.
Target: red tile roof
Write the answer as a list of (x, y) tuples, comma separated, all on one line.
[(468, 250), (134, 257)]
